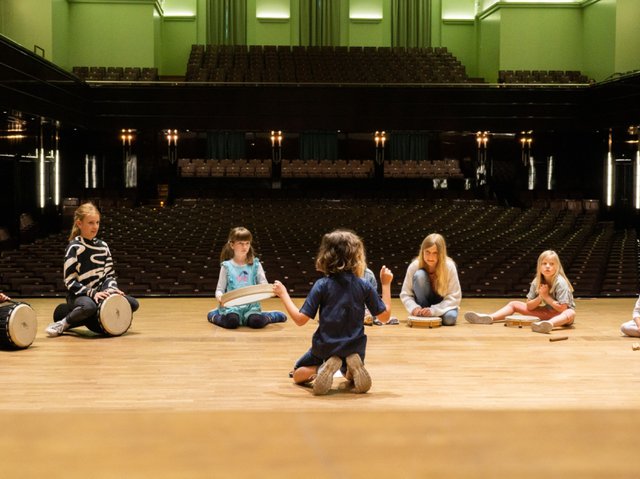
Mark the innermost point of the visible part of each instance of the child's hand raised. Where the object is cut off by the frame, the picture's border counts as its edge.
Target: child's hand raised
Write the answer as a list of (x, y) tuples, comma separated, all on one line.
[(543, 290), (386, 276)]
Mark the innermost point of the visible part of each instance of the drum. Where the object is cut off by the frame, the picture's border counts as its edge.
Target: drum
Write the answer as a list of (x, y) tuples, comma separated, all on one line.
[(18, 325), (520, 320), (246, 295), (113, 318), (424, 321)]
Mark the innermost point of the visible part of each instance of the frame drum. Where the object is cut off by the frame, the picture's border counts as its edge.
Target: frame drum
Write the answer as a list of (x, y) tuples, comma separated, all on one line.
[(520, 320), (18, 326), (424, 321), (113, 318), (248, 294)]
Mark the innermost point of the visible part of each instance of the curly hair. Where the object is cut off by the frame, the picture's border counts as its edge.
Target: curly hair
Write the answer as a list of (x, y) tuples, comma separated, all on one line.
[(341, 251)]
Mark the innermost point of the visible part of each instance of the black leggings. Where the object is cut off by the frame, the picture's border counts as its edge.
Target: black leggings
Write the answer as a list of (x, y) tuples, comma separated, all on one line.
[(232, 320), (83, 308)]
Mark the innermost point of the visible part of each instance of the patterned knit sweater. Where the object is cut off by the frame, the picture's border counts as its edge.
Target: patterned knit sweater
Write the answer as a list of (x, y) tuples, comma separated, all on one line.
[(88, 267)]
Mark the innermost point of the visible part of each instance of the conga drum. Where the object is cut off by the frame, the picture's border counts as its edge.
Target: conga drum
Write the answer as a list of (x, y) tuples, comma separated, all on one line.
[(113, 318), (18, 325), (520, 320), (248, 294), (424, 321)]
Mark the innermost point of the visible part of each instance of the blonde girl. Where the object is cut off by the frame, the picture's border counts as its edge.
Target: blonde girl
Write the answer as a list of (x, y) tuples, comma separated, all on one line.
[(550, 298), (88, 273), (340, 296), (239, 267), (431, 286)]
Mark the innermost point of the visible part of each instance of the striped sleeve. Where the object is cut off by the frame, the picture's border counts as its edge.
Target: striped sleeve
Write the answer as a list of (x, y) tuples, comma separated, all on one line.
[(71, 270)]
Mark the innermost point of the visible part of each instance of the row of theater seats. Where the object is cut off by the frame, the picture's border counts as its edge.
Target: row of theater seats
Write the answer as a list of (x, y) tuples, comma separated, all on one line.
[(448, 168), (589, 205), (175, 250), (327, 169), (291, 64), (541, 76), (220, 168), (116, 73)]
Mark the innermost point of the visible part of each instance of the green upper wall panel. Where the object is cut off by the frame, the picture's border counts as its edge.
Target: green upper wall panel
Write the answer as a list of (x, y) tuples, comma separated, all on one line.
[(29, 23), (597, 37)]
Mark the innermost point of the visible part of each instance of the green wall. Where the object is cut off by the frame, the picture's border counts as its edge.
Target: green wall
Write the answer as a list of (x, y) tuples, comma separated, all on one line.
[(28, 22), (457, 31), (272, 31), (488, 35), (599, 39), (627, 56), (178, 34), (112, 34), (182, 25), (538, 38), (459, 36), (60, 34), (367, 32)]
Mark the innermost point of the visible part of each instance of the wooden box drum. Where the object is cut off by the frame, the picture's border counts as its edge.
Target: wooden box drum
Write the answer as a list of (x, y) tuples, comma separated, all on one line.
[(18, 326), (424, 321), (248, 294), (113, 318), (519, 320)]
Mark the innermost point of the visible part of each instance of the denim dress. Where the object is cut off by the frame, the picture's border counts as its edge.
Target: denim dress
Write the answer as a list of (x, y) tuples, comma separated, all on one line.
[(239, 277)]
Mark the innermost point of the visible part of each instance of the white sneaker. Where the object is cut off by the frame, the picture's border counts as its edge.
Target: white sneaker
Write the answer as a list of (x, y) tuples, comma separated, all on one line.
[(542, 327), (360, 376), (56, 329), (324, 379), (475, 318)]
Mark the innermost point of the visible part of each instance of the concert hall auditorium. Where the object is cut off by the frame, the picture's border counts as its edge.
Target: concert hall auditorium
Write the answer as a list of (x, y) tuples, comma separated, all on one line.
[(137, 137)]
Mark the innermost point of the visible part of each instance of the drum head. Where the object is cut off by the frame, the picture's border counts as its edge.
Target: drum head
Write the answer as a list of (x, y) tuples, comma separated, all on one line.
[(115, 315), (522, 317), (520, 320), (424, 321), (22, 325), (248, 294)]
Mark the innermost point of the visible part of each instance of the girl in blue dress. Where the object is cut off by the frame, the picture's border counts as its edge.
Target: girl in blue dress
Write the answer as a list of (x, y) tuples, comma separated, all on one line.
[(239, 268)]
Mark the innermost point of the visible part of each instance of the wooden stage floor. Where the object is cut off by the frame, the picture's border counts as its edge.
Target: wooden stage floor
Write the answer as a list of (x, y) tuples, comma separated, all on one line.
[(177, 397)]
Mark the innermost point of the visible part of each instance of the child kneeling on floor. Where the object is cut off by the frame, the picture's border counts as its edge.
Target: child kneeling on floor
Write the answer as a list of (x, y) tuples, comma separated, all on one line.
[(341, 296)]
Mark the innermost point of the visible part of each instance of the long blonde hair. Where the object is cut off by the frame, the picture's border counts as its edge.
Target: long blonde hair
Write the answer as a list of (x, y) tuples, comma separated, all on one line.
[(442, 271), (539, 278), (341, 251), (79, 215), (239, 233)]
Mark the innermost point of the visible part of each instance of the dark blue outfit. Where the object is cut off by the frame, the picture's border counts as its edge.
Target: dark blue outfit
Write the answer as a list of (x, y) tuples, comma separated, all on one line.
[(341, 299)]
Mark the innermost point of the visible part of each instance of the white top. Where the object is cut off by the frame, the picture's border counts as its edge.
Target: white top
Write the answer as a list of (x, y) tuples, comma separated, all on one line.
[(636, 309), (451, 299)]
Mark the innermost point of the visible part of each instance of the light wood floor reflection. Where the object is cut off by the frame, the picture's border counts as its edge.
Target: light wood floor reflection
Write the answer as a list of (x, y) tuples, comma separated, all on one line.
[(177, 397)]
